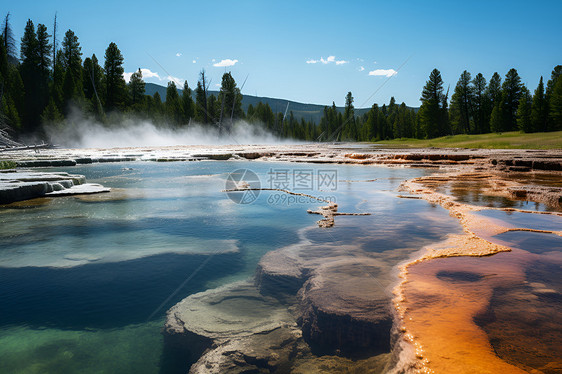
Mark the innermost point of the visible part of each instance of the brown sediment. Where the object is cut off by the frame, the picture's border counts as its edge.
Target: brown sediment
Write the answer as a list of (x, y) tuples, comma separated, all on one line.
[(436, 315), (497, 185)]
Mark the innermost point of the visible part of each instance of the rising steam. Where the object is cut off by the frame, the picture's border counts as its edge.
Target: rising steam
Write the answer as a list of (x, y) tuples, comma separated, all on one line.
[(85, 133)]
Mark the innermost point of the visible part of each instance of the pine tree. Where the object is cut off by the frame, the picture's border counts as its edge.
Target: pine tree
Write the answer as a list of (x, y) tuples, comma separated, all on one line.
[(524, 111), (8, 109), (187, 105), (31, 77), (494, 90), (431, 112), (201, 98), (3, 78), (3, 61), (555, 114), (511, 91), (9, 40), (172, 105), (494, 94), (461, 104), (539, 111), (44, 50), (213, 110), (371, 123), (94, 79), (51, 114), (136, 88), (116, 88), (156, 107), (54, 55), (16, 90), (497, 118), (553, 100), (481, 104), (230, 100), (71, 58), (56, 91), (70, 92), (349, 130), (556, 72)]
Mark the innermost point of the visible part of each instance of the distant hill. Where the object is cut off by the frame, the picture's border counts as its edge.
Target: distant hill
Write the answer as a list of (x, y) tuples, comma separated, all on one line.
[(311, 112)]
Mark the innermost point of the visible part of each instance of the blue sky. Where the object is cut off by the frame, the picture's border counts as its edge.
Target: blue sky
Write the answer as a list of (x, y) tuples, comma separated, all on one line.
[(314, 51)]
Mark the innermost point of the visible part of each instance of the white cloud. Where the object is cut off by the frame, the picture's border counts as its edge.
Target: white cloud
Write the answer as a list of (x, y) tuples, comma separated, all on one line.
[(225, 62), (361, 68), (176, 80), (194, 61), (178, 54), (217, 85), (326, 61), (127, 76), (147, 73), (383, 72)]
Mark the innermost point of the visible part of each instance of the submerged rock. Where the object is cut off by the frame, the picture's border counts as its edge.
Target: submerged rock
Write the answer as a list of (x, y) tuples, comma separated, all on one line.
[(231, 311), (267, 352), (343, 303), (279, 275), (345, 309), (237, 325), (87, 188)]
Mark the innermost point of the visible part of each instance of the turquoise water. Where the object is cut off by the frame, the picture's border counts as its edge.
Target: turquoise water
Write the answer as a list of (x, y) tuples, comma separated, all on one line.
[(85, 281)]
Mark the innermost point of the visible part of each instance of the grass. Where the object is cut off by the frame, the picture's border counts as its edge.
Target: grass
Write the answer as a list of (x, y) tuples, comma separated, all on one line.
[(7, 165), (506, 140)]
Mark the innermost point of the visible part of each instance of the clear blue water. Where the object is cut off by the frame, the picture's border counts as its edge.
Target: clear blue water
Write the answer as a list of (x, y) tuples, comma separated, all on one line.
[(523, 220), (534, 242), (85, 281)]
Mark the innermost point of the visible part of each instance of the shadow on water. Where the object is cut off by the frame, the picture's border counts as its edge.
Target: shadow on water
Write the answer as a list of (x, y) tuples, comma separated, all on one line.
[(459, 276), (530, 310), (105, 295), (534, 242)]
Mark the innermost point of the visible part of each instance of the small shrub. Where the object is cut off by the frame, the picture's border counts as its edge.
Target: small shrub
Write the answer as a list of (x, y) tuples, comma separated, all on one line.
[(7, 165)]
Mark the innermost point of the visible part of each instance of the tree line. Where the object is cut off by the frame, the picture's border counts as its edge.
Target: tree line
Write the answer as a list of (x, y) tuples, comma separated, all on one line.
[(478, 107), (46, 83)]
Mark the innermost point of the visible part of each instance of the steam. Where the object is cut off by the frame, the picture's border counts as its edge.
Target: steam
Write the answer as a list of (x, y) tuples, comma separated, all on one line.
[(129, 132)]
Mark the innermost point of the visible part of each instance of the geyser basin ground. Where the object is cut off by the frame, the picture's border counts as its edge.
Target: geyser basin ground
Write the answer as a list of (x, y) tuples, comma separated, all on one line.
[(108, 262)]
